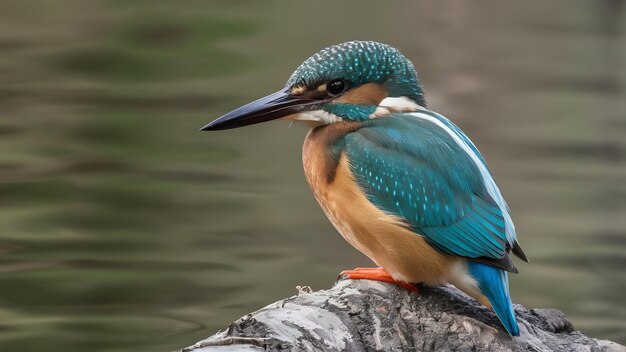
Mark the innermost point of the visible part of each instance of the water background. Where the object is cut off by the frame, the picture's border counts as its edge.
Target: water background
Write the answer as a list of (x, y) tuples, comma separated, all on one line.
[(124, 228)]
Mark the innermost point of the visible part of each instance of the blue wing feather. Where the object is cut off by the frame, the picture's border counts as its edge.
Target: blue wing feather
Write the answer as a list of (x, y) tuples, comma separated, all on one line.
[(415, 170)]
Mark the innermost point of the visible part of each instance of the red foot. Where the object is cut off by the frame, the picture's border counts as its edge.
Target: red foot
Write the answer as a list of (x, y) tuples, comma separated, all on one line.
[(376, 274)]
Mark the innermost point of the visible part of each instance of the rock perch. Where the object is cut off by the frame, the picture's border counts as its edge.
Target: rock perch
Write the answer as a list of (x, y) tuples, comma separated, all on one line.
[(363, 315)]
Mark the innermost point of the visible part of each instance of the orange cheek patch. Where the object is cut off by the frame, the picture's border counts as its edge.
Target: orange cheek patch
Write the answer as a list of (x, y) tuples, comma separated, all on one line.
[(367, 94)]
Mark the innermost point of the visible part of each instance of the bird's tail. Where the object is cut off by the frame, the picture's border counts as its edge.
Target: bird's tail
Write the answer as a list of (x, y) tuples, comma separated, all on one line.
[(494, 283)]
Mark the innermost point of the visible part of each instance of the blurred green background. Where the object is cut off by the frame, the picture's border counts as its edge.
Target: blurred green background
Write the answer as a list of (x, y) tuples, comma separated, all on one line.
[(124, 228)]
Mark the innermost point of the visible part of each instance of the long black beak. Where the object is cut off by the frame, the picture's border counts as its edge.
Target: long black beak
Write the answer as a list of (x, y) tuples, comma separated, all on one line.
[(271, 107)]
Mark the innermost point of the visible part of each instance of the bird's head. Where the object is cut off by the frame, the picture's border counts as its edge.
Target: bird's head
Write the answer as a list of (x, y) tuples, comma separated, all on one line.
[(352, 81)]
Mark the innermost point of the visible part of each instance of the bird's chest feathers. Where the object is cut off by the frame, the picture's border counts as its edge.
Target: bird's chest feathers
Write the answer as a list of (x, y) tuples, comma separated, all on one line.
[(384, 238), (325, 170)]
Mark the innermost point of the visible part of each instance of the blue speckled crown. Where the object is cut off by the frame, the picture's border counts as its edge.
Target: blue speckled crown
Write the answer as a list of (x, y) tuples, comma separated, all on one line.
[(361, 62)]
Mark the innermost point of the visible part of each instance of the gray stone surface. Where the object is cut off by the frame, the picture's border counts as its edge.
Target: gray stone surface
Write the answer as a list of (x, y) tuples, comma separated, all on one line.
[(363, 315)]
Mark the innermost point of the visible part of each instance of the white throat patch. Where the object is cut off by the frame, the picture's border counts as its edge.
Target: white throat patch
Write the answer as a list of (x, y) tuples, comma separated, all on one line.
[(317, 117)]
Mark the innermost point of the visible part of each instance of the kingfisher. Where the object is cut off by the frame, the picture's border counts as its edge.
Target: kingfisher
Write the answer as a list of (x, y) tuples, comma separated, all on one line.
[(401, 183)]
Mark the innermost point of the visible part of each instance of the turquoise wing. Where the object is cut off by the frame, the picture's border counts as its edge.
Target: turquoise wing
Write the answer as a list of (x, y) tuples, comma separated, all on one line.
[(413, 169)]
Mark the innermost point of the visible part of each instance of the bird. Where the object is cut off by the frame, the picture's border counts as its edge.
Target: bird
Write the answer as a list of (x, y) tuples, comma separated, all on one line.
[(401, 183)]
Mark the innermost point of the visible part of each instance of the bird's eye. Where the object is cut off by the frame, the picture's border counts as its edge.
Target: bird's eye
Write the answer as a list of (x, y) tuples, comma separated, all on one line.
[(336, 87)]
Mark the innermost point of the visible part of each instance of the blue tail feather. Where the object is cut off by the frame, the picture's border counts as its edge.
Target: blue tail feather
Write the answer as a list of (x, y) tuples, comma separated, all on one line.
[(494, 283)]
